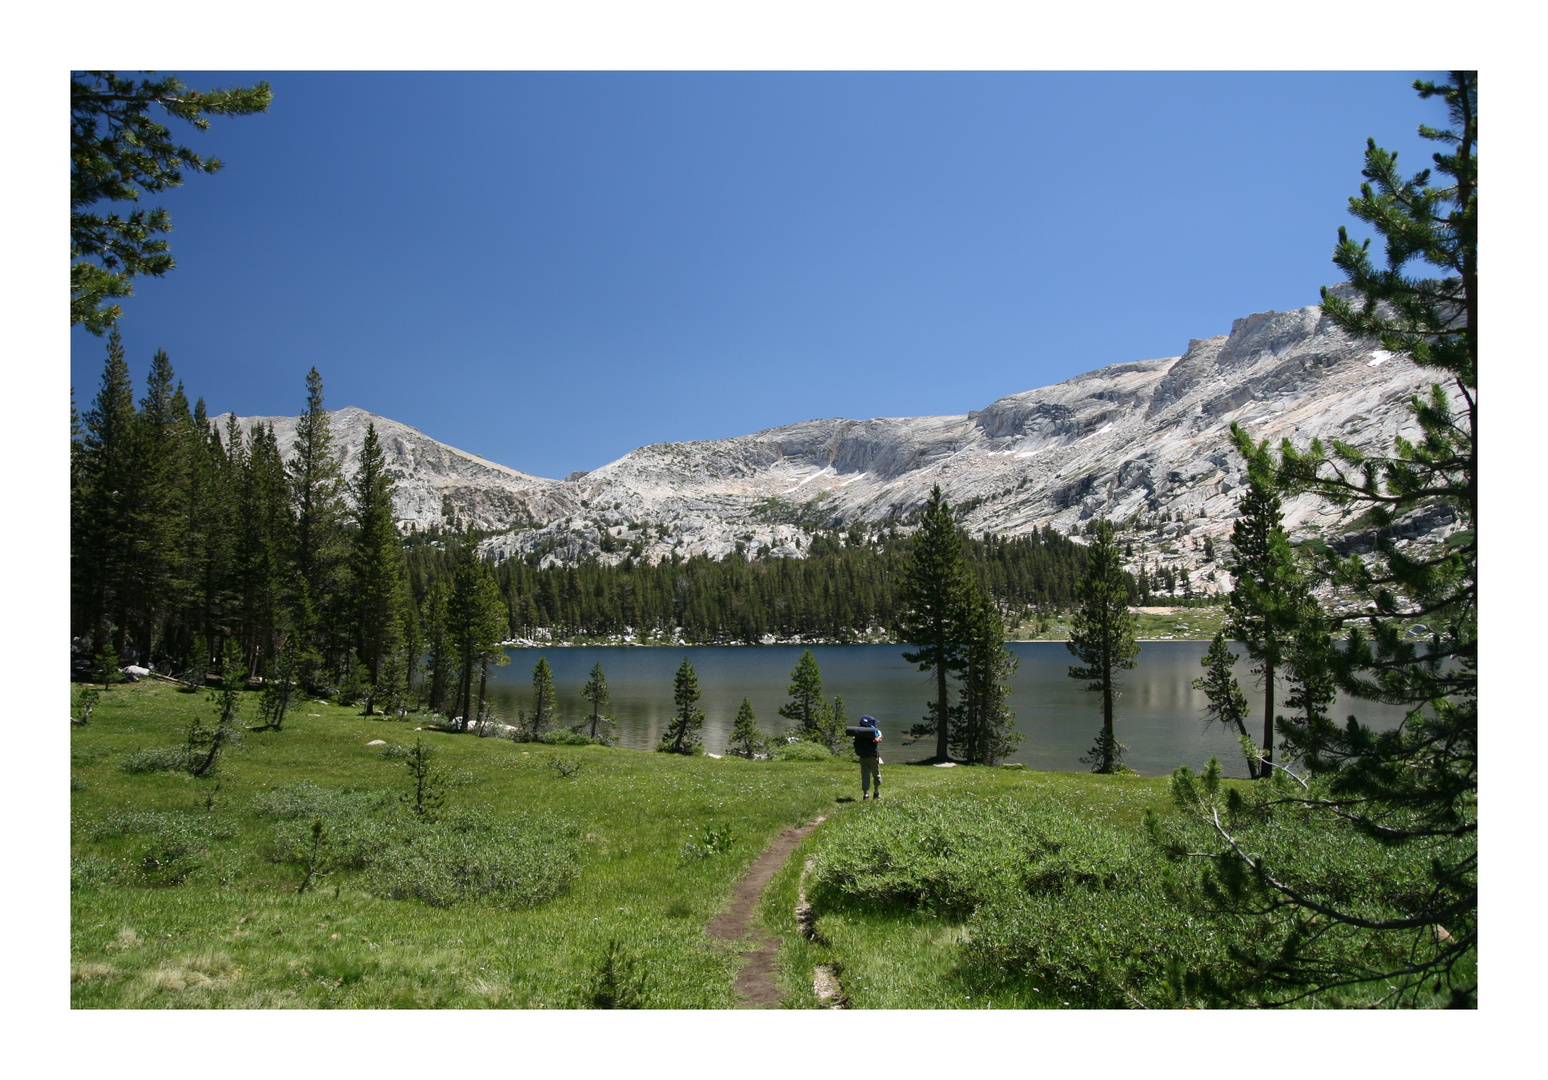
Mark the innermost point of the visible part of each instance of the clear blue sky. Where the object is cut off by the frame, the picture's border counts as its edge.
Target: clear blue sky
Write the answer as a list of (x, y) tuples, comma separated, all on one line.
[(551, 269)]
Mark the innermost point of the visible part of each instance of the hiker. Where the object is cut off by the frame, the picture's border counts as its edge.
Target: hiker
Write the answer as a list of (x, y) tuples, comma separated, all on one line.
[(868, 745)]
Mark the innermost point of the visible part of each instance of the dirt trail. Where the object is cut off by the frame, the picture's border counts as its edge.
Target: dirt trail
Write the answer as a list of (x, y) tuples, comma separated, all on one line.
[(755, 984)]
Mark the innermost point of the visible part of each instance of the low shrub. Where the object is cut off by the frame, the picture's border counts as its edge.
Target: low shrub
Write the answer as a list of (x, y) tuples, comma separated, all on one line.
[(568, 738), (352, 840), (91, 872), (122, 823), (464, 858), (802, 751), (157, 759), (616, 981), (169, 855), (708, 842), (304, 799), (938, 853)]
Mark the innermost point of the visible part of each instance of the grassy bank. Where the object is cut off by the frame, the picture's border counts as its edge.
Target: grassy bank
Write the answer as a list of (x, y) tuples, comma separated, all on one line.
[(179, 897), (571, 877)]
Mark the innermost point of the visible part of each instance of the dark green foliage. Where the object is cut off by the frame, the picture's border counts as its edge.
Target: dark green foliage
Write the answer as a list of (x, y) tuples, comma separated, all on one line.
[(801, 750), (317, 493), (117, 151), (616, 982), (938, 853), (682, 734), (1410, 793), (1312, 911), (708, 842), (278, 692), (838, 592), (746, 739), (1227, 704), (833, 735), (378, 586), (207, 741), (1269, 594), (597, 694), (468, 858), (85, 705), (456, 858), (475, 626), (544, 697), (428, 792), (156, 759), (985, 731), (934, 587), (806, 709), (1102, 638)]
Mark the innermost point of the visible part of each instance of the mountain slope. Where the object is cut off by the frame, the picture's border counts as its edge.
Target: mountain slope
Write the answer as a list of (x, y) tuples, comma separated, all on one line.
[(1144, 442)]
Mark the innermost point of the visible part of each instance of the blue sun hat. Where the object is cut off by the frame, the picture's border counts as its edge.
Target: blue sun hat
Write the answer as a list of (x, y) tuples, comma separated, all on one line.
[(869, 721)]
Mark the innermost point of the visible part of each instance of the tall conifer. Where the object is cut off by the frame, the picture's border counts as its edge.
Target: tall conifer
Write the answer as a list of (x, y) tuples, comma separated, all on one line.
[(1102, 638), (377, 582), (934, 587), (1265, 598)]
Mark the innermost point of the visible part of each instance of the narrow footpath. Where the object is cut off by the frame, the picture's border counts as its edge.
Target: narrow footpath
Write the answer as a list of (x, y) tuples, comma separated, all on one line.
[(756, 987)]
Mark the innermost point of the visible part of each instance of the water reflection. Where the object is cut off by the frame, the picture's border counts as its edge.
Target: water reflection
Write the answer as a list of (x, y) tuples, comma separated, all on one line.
[(1159, 713)]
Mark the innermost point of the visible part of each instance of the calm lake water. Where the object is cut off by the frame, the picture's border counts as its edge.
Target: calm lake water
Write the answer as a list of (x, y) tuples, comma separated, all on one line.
[(1159, 714)]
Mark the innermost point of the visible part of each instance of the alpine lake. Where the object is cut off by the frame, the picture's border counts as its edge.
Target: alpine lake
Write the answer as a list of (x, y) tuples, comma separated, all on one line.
[(1159, 717)]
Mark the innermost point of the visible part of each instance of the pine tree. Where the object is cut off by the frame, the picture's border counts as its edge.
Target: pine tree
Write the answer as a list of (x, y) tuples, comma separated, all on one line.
[(1409, 793), (746, 739), (596, 692), (475, 625), (1102, 637), (1267, 594), (440, 654), (543, 697), (317, 491), (100, 550), (378, 588), (682, 734), (806, 708), (988, 726), (116, 152), (934, 586), (1227, 704)]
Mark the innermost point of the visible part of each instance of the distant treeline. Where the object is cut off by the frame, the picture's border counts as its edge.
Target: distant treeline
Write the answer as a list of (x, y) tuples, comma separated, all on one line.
[(845, 586)]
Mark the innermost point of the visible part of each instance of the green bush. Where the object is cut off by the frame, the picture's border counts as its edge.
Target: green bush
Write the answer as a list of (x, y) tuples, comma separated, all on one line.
[(568, 738), (708, 842), (91, 872), (802, 751), (352, 840), (168, 852), (1055, 901), (122, 823), (157, 759), (939, 853), (466, 858), (304, 799), (396, 751)]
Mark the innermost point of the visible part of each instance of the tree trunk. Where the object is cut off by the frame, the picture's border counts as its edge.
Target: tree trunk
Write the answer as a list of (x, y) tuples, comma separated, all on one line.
[(1107, 715), (940, 713), (1268, 721), (483, 684)]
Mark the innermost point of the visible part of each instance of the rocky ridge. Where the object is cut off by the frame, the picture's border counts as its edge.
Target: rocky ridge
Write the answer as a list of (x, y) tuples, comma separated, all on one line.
[(1145, 444)]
